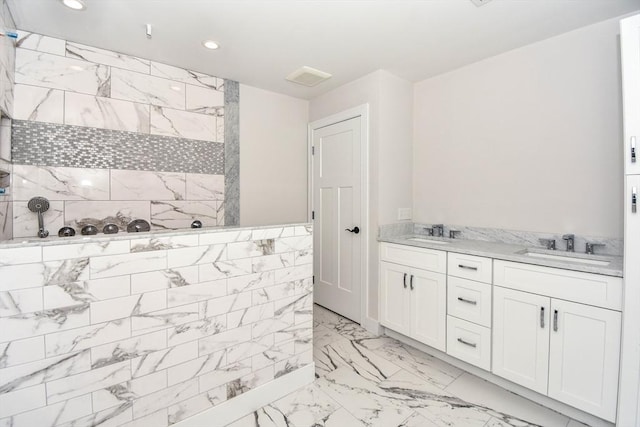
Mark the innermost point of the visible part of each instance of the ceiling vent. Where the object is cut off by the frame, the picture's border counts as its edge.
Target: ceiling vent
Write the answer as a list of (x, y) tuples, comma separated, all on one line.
[(480, 2), (308, 76)]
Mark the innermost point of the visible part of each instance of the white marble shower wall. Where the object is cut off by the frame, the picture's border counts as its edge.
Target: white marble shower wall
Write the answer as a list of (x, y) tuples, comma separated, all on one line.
[(7, 61), (62, 82), (70, 84), (149, 330), (78, 196)]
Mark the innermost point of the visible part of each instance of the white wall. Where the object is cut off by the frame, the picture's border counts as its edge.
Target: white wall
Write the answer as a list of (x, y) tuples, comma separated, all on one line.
[(390, 113), (273, 157), (526, 140)]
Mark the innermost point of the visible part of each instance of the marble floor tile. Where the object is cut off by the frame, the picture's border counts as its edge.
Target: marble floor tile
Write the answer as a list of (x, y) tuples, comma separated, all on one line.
[(323, 336), (364, 362), (427, 367), (364, 399), (505, 404)]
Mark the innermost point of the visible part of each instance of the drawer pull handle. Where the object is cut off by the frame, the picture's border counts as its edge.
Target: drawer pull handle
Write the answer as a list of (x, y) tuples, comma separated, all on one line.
[(633, 149), (634, 200), (466, 267), (411, 282), (555, 320), (542, 317), (404, 280), (468, 301), (470, 344)]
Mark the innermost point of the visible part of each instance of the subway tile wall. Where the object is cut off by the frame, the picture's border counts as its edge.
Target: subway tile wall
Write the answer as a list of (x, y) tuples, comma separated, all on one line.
[(150, 330), (108, 137)]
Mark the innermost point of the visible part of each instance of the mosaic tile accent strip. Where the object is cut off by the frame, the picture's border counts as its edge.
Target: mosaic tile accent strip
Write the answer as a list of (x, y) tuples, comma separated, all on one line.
[(232, 152), (49, 144)]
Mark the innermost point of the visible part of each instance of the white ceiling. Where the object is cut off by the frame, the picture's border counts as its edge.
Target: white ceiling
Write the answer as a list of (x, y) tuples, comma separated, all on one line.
[(262, 41)]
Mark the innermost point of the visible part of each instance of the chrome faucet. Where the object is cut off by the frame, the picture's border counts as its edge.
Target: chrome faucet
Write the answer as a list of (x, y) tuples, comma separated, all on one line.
[(570, 238), (438, 230), (591, 246), (549, 243)]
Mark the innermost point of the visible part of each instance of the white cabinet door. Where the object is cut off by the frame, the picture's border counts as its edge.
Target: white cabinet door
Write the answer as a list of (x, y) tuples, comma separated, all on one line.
[(394, 297), (428, 292), (521, 338), (630, 55), (584, 357)]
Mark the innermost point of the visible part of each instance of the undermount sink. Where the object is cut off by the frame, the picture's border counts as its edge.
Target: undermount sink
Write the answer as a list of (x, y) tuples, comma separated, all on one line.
[(569, 257), (426, 240)]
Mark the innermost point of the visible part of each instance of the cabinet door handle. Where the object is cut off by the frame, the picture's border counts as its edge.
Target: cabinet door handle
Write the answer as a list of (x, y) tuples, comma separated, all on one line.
[(470, 344), (542, 317), (468, 301), (633, 149), (555, 320), (466, 267), (634, 199), (411, 282), (404, 280)]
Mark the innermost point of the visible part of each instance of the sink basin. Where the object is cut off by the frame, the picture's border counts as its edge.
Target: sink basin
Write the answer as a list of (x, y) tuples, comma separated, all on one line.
[(577, 258), (425, 240)]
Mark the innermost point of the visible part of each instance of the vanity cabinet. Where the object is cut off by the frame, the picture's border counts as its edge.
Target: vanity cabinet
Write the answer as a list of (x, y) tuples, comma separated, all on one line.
[(566, 350), (413, 300)]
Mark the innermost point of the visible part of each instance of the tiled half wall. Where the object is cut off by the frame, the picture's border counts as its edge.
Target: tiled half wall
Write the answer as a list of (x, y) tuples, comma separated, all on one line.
[(108, 137), (149, 330)]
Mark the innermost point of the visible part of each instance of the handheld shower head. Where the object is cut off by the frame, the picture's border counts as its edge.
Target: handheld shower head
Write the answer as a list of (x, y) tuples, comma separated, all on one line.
[(39, 205)]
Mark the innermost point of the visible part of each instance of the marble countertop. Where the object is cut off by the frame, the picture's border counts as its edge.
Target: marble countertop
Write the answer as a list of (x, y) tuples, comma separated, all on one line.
[(511, 252), (101, 237)]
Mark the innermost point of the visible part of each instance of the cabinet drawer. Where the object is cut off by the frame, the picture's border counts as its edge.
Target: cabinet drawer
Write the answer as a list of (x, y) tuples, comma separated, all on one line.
[(587, 288), (426, 259), (469, 300), (469, 342), (469, 267)]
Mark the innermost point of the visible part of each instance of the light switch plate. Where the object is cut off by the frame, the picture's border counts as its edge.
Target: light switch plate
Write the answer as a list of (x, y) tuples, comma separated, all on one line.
[(404, 213)]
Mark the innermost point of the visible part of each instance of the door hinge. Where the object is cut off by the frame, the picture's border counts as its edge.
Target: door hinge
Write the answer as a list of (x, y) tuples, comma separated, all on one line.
[(313, 280), (313, 214), (313, 150)]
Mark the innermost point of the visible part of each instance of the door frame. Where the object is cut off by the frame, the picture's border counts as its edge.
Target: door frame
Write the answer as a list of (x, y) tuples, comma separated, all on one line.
[(361, 111)]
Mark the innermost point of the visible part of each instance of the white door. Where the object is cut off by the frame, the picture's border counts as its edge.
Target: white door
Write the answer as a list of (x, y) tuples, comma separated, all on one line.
[(394, 297), (630, 56), (336, 206), (585, 357), (428, 293), (521, 338)]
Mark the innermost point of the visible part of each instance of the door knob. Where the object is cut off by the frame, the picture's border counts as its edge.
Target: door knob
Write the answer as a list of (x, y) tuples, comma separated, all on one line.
[(354, 230)]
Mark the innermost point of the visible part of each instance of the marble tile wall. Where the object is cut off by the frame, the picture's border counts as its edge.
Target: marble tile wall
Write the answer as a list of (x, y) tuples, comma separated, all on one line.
[(149, 139), (7, 61), (82, 196), (62, 82), (150, 330)]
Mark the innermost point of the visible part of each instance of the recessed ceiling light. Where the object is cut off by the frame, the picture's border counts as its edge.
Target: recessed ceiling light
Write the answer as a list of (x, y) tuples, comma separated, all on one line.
[(210, 44), (74, 4)]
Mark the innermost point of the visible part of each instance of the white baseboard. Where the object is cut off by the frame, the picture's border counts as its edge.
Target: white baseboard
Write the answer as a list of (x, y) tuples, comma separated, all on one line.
[(252, 400), (373, 326), (550, 403)]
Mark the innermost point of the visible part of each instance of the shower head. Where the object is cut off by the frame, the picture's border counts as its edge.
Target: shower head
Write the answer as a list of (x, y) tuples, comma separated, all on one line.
[(38, 204)]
